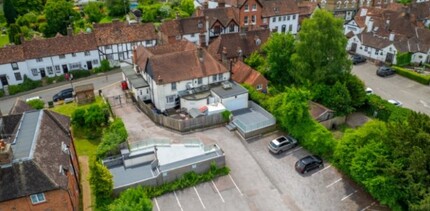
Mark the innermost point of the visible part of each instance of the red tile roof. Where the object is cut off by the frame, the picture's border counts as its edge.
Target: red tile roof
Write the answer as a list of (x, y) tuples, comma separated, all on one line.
[(242, 73), (183, 26), (279, 7), (119, 32), (13, 53), (223, 14)]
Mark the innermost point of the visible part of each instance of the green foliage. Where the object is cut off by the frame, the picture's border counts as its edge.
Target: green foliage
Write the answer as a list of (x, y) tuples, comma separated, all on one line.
[(420, 78), (1, 92), (117, 8), (187, 6), (112, 137), (384, 110), (94, 11), (132, 199), (257, 96), (226, 115), (96, 116), (80, 74), (26, 6), (320, 55), (403, 58), (36, 104), (151, 13), (26, 85), (356, 91), (105, 66), (59, 14), (334, 97), (14, 34), (78, 117), (9, 11), (257, 62), (404, 2), (29, 20), (101, 184)]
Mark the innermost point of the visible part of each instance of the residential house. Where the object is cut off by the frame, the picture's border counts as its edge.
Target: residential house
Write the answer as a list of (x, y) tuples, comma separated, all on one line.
[(220, 20), (281, 15), (242, 73), (238, 46), (250, 14), (116, 40), (39, 167), (306, 9), (191, 29), (49, 57), (173, 71), (421, 11), (157, 164)]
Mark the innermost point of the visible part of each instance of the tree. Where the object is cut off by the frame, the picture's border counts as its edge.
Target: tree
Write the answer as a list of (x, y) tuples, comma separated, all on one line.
[(320, 55), (15, 34), (25, 6), (117, 8), (78, 117), (335, 97), (279, 49), (187, 6), (36, 104), (101, 184), (257, 62), (356, 90), (59, 14), (94, 11), (95, 116), (9, 11), (132, 199)]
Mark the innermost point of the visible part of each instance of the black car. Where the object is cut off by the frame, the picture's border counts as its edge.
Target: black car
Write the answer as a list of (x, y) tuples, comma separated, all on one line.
[(308, 163), (63, 94), (385, 71), (357, 59)]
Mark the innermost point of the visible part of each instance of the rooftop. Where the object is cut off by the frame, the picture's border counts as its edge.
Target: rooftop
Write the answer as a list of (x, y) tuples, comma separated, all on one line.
[(136, 80), (24, 143), (235, 90)]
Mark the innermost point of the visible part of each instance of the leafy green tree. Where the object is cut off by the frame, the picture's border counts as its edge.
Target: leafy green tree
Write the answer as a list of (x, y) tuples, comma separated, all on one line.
[(423, 205), (78, 117), (29, 20), (187, 6), (151, 12), (96, 116), (335, 97), (320, 55), (94, 11), (279, 49), (117, 8), (36, 104), (59, 14), (25, 6), (356, 91), (256, 61), (132, 199), (9, 11), (15, 34), (101, 184)]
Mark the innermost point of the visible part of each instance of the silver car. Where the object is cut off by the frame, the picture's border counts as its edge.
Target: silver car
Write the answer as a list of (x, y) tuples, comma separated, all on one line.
[(281, 144)]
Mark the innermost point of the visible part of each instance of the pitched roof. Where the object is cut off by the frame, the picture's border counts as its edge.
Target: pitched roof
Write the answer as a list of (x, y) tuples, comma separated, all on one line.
[(369, 39), (222, 14), (177, 62), (183, 26), (242, 73), (279, 7), (118, 32), (317, 110), (40, 172), (421, 10), (12, 53), (38, 48), (20, 107), (306, 8), (247, 42)]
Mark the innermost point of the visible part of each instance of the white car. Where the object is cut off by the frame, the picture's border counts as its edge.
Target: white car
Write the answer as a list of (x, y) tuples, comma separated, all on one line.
[(33, 98), (395, 102), (369, 91)]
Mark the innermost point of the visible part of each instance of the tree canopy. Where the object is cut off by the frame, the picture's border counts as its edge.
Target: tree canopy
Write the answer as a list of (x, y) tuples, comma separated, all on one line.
[(59, 14), (117, 8), (132, 199), (26, 6), (9, 11), (94, 11)]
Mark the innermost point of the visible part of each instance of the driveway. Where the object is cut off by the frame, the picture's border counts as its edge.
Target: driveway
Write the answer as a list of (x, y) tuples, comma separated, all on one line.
[(413, 95)]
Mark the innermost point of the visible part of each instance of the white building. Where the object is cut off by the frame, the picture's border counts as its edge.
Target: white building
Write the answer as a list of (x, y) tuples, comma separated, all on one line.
[(281, 16)]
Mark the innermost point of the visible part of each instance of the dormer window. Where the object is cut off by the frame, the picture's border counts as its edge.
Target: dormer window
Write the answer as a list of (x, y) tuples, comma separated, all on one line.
[(338, 5)]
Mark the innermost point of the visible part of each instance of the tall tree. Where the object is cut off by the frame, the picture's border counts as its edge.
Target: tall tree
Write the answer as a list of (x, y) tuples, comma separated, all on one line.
[(187, 6), (102, 184), (279, 49), (59, 14), (14, 34), (132, 199), (9, 11), (25, 6), (320, 50), (117, 8), (94, 11)]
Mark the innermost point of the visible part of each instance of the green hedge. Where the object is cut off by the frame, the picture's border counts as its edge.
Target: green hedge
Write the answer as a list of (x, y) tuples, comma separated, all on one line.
[(112, 137), (403, 58), (420, 78), (383, 110), (27, 85)]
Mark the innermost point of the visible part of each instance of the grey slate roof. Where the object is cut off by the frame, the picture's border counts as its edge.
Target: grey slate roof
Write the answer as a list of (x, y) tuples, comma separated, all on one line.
[(25, 137), (235, 90), (136, 80)]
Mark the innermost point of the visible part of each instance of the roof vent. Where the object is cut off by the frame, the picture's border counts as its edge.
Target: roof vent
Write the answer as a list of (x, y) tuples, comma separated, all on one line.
[(226, 85)]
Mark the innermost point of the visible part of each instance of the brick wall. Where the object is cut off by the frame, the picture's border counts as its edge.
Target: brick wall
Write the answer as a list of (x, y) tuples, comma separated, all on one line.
[(55, 200)]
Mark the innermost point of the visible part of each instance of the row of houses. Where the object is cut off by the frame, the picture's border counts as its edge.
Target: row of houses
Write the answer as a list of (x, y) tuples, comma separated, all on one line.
[(382, 33)]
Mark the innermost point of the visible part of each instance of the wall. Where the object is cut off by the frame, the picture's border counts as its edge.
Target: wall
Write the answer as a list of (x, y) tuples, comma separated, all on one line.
[(6, 69), (249, 13), (236, 102), (55, 200), (189, 104), (335, 121), (416, 58), (121, 51)]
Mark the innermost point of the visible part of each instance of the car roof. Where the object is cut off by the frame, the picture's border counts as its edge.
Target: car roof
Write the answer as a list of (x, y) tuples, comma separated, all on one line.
[(309, 159)]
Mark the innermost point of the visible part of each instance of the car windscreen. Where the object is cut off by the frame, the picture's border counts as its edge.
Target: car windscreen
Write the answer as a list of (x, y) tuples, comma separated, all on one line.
[(273, 145)]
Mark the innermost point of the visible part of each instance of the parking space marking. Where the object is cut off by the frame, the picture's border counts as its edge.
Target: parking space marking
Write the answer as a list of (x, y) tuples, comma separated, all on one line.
[(368, 206), (177, 200), (216, 188), (322, 170), (235, 185), (156, 204), (299, 148), (349, 195), (333, 183), (199, 197)]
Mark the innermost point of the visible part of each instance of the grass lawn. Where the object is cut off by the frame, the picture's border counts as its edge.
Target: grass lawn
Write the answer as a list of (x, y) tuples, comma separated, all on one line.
[(106, 19), (69, 108), (4, 39)]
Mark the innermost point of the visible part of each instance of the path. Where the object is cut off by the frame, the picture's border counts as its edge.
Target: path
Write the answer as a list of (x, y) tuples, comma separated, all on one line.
[(86, 191)]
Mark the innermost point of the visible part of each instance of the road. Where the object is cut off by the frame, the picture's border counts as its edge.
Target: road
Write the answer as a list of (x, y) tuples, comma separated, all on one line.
[(99, 81), (413, 95)]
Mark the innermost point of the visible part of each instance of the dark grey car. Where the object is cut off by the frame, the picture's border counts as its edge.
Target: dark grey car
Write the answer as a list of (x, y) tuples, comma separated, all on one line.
[(63, 94), (385, 71), (281, 144)]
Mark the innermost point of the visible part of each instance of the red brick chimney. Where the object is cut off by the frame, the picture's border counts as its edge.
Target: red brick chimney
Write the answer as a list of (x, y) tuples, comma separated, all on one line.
[(135, 55), (224, 55), (221, 3), (6, 154)]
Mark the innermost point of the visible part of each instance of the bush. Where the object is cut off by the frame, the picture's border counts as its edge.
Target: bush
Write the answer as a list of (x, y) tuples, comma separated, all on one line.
[(80, 73), (226, 115), (101, 184), (420, 78), (384, 110), (403, 59), (1, 93), (36, 104), (112, 138), (26, 85)]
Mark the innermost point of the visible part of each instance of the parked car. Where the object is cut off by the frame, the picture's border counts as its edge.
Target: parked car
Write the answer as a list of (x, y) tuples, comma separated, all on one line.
[(369, 91), (308, 163), (63, 94), (357, 59), (281, 144), (395, 102), (33, 98), (385, 71)]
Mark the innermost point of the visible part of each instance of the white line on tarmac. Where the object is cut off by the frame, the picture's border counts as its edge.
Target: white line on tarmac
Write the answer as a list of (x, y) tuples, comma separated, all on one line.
[(222, 199), (348, 195), (156, 204), (322, 170), (199, 198), (235, 185), (368, 206), (297, 149), (177, 200), (333, 183)]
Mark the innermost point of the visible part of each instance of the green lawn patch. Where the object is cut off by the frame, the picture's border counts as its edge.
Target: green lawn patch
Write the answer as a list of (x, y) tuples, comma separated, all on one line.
[(106, 19), (4, 40), (69, 108)]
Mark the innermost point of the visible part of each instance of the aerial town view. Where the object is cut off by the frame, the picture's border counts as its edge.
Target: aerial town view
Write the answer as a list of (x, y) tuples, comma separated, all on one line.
[(218, 105)]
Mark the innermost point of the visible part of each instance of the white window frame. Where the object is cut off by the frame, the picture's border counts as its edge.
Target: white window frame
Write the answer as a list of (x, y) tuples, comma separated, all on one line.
[(245, 20), (246, 8), (170, 99), (253, 19), (95, 62), (75, 66), (254, 7), (18, 74), (199, 81), (14, 66), (74, 54), (49, 70), (173, 86), (87, 53), (57, 69), (62, 56), (34, 72), (37, 198), (259, 86), (39, 60)]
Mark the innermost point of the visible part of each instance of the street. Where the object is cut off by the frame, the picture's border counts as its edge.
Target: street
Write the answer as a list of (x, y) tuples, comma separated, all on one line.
[(413, 95)]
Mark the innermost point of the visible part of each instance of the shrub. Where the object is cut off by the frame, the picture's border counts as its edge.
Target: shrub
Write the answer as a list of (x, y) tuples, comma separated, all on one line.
[(104, 65), (26, 85), (423, 79), (80, 73), (36, 104), (101, 184), (226, 115), (1, 93), (113, 136), (383, 110), (78, 118), (403, 59)]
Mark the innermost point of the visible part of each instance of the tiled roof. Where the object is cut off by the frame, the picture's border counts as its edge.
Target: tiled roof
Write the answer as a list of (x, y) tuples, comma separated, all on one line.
[(224, 15), (279, 7), (40, 173), (13, 53), (306, 8), (20, 107), (119, 32), (368, 39), (177, 62), (421, 10), (242, 73), (183, 26), (247, 42), (38, 48)]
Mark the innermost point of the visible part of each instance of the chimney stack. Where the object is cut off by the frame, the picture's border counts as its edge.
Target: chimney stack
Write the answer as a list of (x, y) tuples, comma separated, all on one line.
[(134, 55), (205, 4), (200, 53), (69, 31), (224, 55), (6, 154), (202, 40), (239, 54), (221, 3)]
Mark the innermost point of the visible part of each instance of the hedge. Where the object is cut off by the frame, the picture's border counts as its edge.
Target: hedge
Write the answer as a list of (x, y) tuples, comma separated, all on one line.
[(403, 58), (420, 78), (383, 110)]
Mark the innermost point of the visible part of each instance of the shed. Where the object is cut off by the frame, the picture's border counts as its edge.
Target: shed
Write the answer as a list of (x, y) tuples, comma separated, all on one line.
[(84, 94)]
